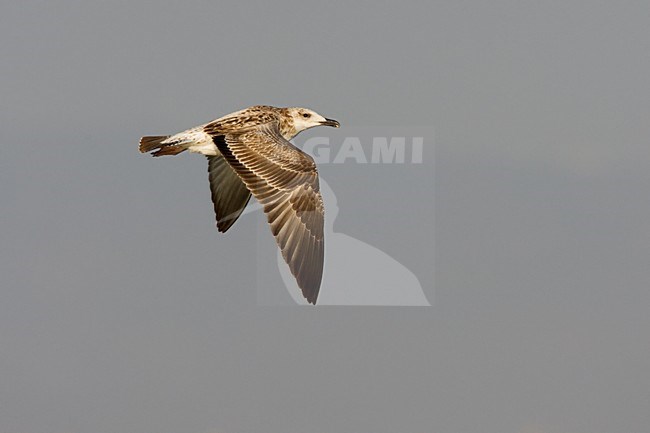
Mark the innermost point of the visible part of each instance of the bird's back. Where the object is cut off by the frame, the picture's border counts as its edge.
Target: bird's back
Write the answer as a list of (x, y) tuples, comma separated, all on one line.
[(242, 120)]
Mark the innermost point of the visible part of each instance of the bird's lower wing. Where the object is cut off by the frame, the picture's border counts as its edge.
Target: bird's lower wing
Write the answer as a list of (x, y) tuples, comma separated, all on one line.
[(285, 181), (229, 194)]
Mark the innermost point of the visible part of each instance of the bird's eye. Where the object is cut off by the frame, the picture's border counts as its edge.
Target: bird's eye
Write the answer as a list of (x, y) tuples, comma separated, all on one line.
[(306, 115)]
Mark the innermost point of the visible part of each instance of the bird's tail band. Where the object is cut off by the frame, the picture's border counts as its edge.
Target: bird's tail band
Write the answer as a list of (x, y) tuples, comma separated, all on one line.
[(155, 142)]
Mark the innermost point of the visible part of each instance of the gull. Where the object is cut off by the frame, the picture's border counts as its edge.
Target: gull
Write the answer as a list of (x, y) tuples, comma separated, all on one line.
[(249, 152)]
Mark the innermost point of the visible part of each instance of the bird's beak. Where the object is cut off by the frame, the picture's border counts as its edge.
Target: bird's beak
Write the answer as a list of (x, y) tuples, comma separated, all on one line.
[(331, 122)]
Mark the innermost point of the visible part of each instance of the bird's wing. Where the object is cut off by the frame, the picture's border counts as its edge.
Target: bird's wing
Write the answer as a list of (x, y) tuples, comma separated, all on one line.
[(285, 181), (229, 194)]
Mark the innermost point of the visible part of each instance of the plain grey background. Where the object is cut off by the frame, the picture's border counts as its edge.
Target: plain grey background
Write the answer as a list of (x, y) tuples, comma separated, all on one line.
[(123, 310)]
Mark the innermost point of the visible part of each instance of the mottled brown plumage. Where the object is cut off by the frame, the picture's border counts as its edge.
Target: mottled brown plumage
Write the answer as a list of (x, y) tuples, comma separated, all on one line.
[(249, 153)]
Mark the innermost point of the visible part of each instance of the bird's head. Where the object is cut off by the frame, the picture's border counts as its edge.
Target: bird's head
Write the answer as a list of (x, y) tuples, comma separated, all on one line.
[(298, 119)]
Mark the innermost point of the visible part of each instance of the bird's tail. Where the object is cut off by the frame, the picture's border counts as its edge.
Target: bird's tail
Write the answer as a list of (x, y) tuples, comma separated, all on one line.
[(156, 142)]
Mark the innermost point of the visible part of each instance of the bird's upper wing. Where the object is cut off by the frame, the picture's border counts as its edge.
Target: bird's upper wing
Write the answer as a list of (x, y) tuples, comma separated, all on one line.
[(229, 194), (285, 181)]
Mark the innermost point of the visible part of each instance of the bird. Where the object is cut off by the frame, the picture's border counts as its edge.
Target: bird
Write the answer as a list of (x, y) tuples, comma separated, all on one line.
[(249, 153)]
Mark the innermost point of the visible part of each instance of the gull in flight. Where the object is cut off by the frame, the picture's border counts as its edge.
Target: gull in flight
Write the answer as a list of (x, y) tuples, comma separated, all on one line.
[(248, 153)]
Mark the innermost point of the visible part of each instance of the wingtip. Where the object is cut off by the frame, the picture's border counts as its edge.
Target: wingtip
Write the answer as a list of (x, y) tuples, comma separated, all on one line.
[(311, 299), (311, 293)]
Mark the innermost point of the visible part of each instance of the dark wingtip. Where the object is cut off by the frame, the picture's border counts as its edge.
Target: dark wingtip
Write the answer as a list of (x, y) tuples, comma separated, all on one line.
[(224, 225), (311, 293)]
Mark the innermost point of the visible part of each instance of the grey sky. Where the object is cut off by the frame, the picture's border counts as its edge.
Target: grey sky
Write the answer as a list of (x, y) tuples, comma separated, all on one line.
[(122, 309)]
